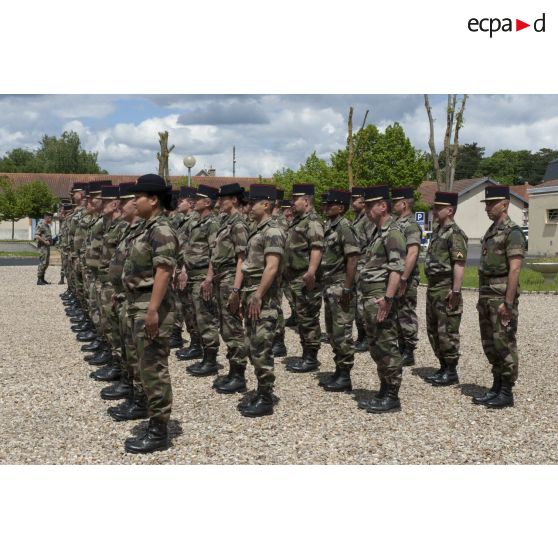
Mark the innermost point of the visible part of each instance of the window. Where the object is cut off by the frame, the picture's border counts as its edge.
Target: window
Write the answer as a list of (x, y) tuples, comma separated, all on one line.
[(552, 216)]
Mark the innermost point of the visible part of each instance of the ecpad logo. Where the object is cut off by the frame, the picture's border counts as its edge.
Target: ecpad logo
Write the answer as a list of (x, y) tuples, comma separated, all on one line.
[(494, 24)]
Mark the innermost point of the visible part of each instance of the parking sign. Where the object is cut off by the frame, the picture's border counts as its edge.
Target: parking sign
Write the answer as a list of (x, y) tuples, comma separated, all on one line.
[(419, 218)]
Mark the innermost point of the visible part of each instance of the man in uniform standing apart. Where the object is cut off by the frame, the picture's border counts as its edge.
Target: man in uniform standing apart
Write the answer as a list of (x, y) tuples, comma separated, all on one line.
[(303, 252), (338, 270), (445, 267), (502, 253), (403, 199), (379, 282), (43, 236)]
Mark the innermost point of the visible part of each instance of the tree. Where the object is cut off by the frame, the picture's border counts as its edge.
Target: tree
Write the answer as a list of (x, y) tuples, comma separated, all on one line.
[(11, 206), (18, 160), (36, 199), (468, 160)]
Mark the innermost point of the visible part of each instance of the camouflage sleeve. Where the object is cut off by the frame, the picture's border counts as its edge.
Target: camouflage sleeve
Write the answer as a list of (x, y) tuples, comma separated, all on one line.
[(349, 239), (315, 234), (515, 243), (458, 249), (274, 241), (239, 236), (396, 250), (413, 234), (164, 245)]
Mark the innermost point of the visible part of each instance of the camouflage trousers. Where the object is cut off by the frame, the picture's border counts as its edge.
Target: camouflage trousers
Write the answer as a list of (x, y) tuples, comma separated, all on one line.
[(207, 321), (259, 337), (442, 325), (129, 353), (231, 327), (44, 260), (188, 311), (153, 358), (280, 331), (339, 325), (109, 318), (289, 296), (382, 336), (499, 341), (93, 301), (307, 309), (407, 321), (179, 311)]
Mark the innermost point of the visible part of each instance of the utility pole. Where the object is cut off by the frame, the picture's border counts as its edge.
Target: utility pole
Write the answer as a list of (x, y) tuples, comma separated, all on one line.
[(234, 161)]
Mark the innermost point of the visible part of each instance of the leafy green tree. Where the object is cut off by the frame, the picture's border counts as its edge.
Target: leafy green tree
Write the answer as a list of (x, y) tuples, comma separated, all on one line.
[(468, 160), (19, 160), (11, 206), (36, 199)]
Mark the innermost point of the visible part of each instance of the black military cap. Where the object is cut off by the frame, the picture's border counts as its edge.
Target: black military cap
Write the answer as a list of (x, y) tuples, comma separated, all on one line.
[(96, 186), (445, 198), (149, 184), (78, 187), (234, 189), (376, 193), (496, 193), (262, 192), (207, 192), (337, 196), (402, 194), (48, 214), (280, 194), (286, 203), (357, 192), (110, 192), (124, 190), (65, 200), (187, 192), (67, 206), (303, 189), (175, 194), (245, 200)]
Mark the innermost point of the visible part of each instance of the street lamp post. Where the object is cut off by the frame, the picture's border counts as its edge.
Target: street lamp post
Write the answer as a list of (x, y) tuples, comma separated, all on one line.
[(189, 162)]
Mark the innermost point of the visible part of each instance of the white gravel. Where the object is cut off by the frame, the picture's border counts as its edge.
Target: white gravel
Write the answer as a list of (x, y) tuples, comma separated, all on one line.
[(52, 413)]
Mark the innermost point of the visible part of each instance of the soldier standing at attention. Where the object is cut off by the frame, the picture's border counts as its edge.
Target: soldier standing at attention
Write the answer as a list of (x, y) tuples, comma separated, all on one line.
[(338, 271), (303, 252), (146, 275), (43, 236), (502, 253), (445, 266), (403, 200), (261, 271), (287, 209), (379, 282), (227, 256)]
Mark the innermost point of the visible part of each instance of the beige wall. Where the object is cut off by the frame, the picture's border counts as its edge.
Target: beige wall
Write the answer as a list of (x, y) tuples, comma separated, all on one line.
[(543, 237), (22, 229)]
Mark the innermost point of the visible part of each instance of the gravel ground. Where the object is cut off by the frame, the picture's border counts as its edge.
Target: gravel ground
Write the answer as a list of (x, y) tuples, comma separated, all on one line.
[(52, 412)]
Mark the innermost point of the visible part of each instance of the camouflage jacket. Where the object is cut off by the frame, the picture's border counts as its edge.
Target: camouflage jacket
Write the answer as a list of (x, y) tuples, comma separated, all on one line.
[(151, 244), (385, 253), (364, 230), (229, 241), (303, 234), (116, 264), (177, 221), (447, 246), (340, 241), (113, 235), (268, 238), (195, 252), (63, 235), (73, 225), (281, 221), (82, 232), (498, 244), (43, 230), (94, 244), (412, 233)]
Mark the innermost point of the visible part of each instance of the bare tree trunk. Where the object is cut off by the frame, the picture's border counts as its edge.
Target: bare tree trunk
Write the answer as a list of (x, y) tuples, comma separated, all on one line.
[(447, 140), (364, 120), (350, 142), (13, 227), (455, 146), (432, 145)]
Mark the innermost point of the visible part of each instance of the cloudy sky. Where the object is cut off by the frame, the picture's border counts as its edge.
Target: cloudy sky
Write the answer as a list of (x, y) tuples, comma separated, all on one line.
[(269, 131)]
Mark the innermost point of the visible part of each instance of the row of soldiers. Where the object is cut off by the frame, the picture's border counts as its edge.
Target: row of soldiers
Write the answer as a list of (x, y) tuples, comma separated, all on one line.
[(138, 264)]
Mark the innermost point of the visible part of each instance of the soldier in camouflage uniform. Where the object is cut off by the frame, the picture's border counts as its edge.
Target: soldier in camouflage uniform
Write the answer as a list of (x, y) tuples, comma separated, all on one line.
[(403, 199), (63, 213), (195, 256), (502, 252), (148, 270), (364, 230), (303, 252), (287, 211), (378, 284), (260, 297), (444, 267), (338, 271), (228, 250), (43, 236)]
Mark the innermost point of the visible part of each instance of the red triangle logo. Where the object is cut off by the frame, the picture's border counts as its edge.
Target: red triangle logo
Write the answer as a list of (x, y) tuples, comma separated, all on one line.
[(519, 25)]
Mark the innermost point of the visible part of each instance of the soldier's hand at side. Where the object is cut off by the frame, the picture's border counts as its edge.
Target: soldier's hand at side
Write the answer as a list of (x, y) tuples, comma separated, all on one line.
[(383, 309), (182, 280), (504, 314), (452, 300), (345, 300), (402, 287), (152, 323), (206, 289), (309, 280), (254, 307), (233, 303)]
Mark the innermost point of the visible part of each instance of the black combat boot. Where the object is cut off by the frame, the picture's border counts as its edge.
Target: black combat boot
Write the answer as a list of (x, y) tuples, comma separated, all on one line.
[(61, 282), (308, 363), (363, 403), (154, 439), (71, 311), (66, 294), (86, 336), (291, 321), (328, 378), (361, 344), (438, 374), (387, 404), (504, 397), (343, 380), (78, 318), (491, 393), (135, 410), (235, 382), (325, 338), (278, 348), (109, 373), (120, 390), (193, 352), (83, 326), (448, 378), (207, 367), (261, 405), (92, 347), (176, 340), (408, 356), (41, 280)]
